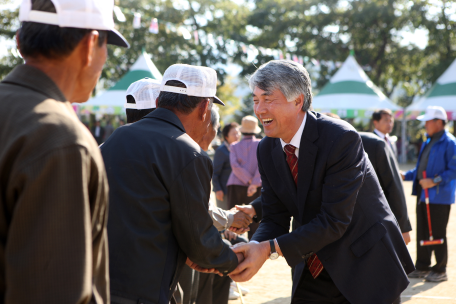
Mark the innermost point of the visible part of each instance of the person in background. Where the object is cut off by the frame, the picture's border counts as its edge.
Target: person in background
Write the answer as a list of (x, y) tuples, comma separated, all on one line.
[(383, 121), (222, 166), (53, 185), (244, 183), (98, 132), (141, 98), (438, 158), (109, 129), (209, 288)]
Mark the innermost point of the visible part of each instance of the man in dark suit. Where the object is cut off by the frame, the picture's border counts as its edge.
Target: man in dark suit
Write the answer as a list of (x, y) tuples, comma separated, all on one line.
[(98, 132), (383, 121), (387, 169), (159, 193), (347, 246)]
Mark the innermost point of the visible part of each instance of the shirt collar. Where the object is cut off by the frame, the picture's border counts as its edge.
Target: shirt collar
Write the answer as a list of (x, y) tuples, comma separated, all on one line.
[(382, 135), (296, 140)]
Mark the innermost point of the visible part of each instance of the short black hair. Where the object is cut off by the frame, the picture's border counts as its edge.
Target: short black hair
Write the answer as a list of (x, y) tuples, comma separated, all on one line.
[(180, 102), (133, 115), (51, 41), (227, 129), (377, 115)]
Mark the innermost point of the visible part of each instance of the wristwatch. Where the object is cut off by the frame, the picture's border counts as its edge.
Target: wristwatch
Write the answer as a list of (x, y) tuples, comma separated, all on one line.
[(273, 255), (437, 179)]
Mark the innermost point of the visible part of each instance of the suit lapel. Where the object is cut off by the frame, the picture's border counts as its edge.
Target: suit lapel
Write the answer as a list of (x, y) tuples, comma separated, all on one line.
[(306, 164), (284, 172)]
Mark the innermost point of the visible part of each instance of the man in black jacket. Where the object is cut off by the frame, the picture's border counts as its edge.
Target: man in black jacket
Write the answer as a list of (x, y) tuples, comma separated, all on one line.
[(159, 192), (347, 246)]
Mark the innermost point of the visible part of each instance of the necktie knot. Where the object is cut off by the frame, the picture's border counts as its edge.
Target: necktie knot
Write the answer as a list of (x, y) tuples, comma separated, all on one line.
[(289, 149)]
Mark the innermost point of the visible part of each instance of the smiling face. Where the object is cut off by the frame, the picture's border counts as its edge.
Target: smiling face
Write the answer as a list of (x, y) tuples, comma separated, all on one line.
[(280, 118)]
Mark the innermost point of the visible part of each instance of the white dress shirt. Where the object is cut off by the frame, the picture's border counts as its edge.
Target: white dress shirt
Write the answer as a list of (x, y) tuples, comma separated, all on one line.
[(296, 140)]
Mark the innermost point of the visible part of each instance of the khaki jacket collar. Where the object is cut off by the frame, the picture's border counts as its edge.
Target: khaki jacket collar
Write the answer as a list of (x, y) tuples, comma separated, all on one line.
[(36, 80)]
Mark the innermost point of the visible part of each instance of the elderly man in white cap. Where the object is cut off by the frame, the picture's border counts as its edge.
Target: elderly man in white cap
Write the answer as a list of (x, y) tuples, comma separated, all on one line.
[(160, 184), (438, 159), (141, 98), (54, 191)]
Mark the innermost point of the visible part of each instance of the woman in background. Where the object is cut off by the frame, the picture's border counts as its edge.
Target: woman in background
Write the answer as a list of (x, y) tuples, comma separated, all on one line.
[(222, 166)]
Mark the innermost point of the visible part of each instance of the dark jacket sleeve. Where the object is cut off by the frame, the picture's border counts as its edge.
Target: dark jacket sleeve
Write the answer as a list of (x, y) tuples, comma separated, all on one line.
[(389, 177), (276, 217), (219, 159), (343, 179), (256, 204), (192, 225)]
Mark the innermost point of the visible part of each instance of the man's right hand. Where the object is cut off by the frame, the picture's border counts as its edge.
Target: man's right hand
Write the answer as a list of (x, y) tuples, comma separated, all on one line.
[(219, 195), (241, 220)]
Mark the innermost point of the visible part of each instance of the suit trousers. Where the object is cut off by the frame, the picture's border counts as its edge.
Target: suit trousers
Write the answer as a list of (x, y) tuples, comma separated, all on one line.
[(321, 290), (237, 195), (439, 221), (189, 281)]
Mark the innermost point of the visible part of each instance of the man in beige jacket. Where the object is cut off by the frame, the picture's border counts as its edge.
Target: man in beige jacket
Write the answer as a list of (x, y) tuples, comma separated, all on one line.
[(53, 186)]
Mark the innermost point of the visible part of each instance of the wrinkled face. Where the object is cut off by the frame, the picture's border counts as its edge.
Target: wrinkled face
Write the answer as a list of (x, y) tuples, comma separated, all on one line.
[(233, 136), (433, 126), (90, 74), (385, 124), (278, 116)]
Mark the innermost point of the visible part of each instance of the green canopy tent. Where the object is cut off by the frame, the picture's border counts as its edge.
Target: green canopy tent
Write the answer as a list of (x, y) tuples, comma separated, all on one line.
[(443, 94), (351, 94), (112, 101)]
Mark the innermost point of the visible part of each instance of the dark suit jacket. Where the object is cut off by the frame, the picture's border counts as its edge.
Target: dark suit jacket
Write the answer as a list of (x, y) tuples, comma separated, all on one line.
[(158, 214), (340, 210), (387, 170), (222, 168), (392, 145)]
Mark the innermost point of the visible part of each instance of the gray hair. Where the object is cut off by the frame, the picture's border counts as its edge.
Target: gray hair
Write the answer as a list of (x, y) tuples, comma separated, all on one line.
[(291, 78), (215, 117)]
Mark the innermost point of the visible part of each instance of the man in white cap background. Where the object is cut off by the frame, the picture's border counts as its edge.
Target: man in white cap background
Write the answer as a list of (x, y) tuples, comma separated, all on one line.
[(141, 98), (160, 184), (52, 179), (438, 158)]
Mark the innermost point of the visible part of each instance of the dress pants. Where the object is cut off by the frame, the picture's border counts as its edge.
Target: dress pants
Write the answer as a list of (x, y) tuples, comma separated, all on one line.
[(237, 195), (439, 221), (321, 290), (189, 280)]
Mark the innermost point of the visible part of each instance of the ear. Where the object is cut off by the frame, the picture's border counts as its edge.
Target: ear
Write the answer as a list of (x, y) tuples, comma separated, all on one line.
[(299, 102), (203, 109), (88, 45)]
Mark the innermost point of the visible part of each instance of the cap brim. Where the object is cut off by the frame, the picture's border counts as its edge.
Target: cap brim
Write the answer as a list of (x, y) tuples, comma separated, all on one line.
[(116, 38), (424, 118), (217, 100)]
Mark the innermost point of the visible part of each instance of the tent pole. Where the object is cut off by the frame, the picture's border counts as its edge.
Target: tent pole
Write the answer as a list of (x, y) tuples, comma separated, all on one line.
[(404, 138)]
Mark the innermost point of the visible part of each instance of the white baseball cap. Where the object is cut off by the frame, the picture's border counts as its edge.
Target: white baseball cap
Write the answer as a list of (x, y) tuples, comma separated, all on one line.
[(433, 112), (199, 81), (88, 14), (145, 93)]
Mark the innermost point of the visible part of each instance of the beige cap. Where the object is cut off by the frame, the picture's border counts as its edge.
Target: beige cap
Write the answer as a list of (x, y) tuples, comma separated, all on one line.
[(250, 125)]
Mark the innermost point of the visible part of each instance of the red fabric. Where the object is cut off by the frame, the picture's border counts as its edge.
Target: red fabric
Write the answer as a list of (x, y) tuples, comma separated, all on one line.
[(314, 264)]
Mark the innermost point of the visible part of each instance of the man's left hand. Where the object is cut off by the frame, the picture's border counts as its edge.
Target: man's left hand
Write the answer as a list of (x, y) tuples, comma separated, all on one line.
[(427, 183), (241, 220), (406, 237), (196, 267), (255, 256)]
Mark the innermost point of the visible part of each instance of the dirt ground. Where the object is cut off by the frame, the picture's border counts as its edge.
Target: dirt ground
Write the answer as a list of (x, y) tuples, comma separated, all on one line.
[(272, 284)]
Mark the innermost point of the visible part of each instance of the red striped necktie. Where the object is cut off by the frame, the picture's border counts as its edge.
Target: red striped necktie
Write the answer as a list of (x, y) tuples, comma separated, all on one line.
[(314, 264)]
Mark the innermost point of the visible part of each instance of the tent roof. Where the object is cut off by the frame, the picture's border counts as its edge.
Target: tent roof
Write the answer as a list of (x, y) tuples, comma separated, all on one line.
[(115, 96), (351, 89), (443, 93)]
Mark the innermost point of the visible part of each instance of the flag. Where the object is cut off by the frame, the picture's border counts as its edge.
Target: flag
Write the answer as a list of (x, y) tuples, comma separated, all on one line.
[(137, 21), (301, 60), (195, 35), (153, 28), (295, 58), (119, 15)]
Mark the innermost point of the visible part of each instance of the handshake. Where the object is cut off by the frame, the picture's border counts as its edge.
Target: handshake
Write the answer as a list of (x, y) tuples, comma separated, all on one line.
[(251, 257), (243, 217)]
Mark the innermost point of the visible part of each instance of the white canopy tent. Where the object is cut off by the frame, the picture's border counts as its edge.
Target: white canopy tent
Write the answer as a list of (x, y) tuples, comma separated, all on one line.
[(350, 93), (443, 94), (112, 100)]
